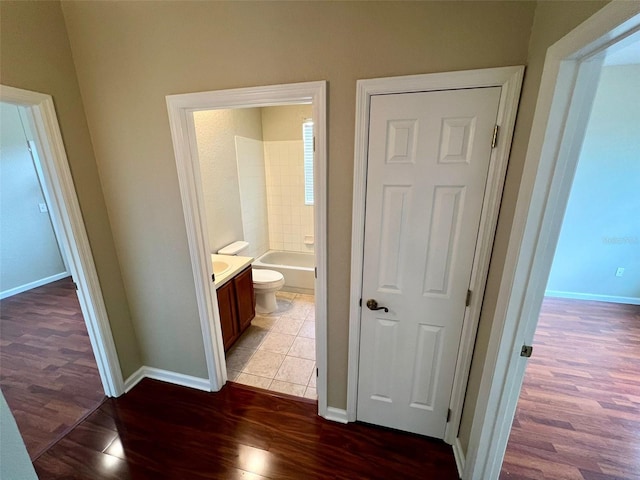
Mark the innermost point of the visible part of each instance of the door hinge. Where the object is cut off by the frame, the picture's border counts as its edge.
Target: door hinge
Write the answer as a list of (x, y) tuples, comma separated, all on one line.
[(29, 147), (448, 415), (526, 351), (467, 302), (316, 371), (314, 144), (75, 285), (213, 277), (494, 139), (360, 303), (315, 272)]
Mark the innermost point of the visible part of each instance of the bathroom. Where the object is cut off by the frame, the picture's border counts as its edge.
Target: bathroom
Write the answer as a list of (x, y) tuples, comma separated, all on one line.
[(256, 170)]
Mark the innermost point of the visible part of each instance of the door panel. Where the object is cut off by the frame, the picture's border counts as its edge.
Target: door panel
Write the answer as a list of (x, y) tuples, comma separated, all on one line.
[(429, 155)]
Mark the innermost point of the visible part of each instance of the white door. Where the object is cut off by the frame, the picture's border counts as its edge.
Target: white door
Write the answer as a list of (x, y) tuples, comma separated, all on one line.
[(428, 162)]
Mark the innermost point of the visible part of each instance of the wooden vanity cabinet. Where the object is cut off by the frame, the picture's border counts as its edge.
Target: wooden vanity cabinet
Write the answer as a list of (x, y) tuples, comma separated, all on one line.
[(236, 303)]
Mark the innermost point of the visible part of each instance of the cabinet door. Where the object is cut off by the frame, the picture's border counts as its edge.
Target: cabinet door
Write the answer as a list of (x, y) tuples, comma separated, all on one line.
[(245, 298), (227, 308)]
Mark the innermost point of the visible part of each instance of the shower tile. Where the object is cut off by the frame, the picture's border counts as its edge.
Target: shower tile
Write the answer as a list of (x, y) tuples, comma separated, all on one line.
[(286, 387), (264, 364), (303, 348), (295, 370), (277, 342)]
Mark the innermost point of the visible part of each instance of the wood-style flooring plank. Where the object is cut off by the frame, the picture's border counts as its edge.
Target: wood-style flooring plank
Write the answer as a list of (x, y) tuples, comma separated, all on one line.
[(160, 431), (578, 416), (48, 373)]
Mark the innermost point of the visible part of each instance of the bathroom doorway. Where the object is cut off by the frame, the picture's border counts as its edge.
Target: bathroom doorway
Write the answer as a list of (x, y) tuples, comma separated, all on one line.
[(256, 168), (301, 301)]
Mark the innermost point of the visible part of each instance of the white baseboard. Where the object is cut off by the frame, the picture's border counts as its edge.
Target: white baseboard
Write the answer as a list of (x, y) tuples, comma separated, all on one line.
[(30, 285), (458, 454), (166, 376), (336, 415), (593, 297)]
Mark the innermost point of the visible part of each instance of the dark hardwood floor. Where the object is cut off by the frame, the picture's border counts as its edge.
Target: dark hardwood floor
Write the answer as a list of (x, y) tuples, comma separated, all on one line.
[(578, 416), (48, 373), (159, 431)]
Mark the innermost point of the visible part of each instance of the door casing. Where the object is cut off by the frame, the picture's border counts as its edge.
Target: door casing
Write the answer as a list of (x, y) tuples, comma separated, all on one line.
[(510, 80), (569, 76), (62, 200), (180, 109)]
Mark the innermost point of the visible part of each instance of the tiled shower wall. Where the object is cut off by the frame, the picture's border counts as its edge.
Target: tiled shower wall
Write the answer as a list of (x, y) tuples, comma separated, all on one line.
[(290, 220)]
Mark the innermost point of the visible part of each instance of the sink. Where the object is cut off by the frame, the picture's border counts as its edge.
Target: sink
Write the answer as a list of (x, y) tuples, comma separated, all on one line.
[(220, 267)]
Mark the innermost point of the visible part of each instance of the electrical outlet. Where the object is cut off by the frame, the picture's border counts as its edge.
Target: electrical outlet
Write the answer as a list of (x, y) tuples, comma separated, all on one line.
[(619, 272)]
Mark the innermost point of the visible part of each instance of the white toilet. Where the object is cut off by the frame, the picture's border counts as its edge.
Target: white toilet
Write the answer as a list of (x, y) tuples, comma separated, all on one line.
[(265, 282)]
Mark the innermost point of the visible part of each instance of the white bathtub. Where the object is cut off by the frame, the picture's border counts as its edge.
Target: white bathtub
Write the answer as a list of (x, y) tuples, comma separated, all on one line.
[(296, 267)]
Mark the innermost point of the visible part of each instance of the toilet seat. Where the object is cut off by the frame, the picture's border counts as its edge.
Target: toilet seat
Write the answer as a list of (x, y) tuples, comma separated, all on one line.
[(267, 278)]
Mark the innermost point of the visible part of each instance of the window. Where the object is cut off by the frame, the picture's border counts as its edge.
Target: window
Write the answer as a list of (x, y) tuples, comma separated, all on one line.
[(307, 140)]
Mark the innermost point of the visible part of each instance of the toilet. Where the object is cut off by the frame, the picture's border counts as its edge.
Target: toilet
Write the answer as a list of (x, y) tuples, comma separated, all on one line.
[(265, 282)]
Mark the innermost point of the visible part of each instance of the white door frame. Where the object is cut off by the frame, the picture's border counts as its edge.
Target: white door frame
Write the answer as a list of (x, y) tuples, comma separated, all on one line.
[(181, 108), (62, 200), (510, 80), (566, 93)]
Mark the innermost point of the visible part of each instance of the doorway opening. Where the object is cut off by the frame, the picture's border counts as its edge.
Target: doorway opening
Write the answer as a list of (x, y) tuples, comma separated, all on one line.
[(570, 76), (58, 359), (256, 167), (586, 363), (273, 187)]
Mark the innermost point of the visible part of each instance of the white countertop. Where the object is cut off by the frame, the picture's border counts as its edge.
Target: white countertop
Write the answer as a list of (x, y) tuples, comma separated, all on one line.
[(235, 264)]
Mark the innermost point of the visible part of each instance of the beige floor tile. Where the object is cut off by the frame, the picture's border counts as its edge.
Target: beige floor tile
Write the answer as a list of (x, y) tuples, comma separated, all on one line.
[(311, 316), (308, 330), (287, 325), (310, 299), (303, 348), (286, 387), (253, 380), (238, 357), (232, 374), (311, 393), (298, 310), (264, 364), (314, 377), (295, 370), (282, 295), (252, 337), (277, 342), (264, 322)]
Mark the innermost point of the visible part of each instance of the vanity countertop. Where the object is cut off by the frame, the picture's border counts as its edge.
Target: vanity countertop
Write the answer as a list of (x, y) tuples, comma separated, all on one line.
[(225, 267)]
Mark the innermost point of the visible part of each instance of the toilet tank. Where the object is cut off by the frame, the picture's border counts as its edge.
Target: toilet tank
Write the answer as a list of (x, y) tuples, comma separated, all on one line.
[(234, 248)]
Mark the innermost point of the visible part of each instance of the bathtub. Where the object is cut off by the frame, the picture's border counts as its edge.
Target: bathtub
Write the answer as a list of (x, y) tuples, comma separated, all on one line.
[(296, 267)]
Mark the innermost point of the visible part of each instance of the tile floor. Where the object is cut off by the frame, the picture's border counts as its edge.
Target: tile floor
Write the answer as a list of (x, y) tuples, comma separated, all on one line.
[(278, 351)]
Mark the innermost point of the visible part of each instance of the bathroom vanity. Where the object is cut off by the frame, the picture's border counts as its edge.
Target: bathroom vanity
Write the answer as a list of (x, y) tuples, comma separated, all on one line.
[(236, 299)]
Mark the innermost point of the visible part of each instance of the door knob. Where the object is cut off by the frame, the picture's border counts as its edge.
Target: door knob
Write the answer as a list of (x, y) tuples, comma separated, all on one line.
[(373, 305)]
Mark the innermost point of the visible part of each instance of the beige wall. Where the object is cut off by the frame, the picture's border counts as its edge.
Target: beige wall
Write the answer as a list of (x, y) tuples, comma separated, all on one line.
[(552, 21), (215, 134), (35, 55), (130, 55), (284, 122)]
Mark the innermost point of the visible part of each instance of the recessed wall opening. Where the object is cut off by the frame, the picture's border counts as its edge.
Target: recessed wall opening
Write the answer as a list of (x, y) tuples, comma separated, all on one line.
[(256, 169)]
